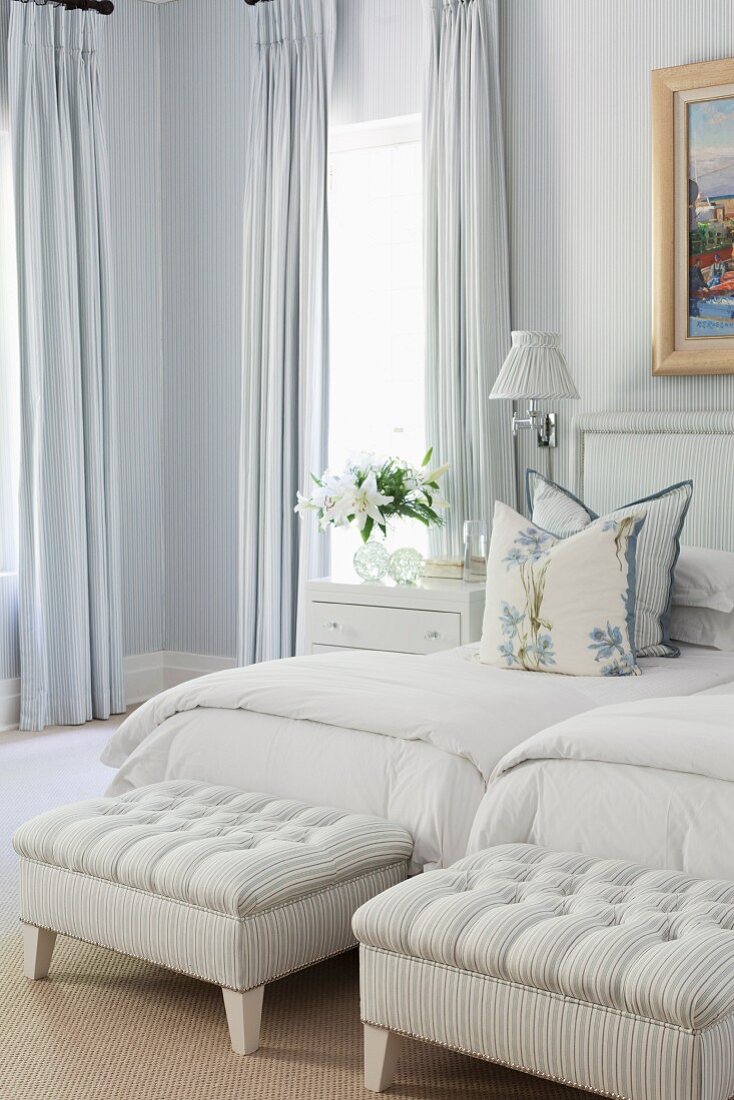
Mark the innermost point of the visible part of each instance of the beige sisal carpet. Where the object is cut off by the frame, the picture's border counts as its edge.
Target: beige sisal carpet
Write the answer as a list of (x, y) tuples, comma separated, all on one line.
[(110, 1027)]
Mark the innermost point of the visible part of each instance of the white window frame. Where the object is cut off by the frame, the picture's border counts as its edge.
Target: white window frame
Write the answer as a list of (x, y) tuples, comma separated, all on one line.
[(386, 132)]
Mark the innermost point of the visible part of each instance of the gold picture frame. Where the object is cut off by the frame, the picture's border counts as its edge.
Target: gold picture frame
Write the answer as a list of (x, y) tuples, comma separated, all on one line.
[(693, 219)]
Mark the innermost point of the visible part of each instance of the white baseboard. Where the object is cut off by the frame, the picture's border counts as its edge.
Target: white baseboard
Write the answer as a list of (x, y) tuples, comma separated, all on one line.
[(146, 674)]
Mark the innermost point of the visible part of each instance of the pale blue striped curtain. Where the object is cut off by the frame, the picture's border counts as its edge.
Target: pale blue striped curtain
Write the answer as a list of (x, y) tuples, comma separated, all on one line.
[(69, 593), (467, 263), (285, 344)]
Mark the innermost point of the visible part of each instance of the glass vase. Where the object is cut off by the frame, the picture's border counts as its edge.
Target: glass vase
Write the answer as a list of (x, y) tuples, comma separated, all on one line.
[(371, 561), (406, 566)]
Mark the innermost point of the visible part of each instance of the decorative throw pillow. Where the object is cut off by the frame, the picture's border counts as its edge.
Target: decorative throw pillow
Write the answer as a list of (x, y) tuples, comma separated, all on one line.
[(556, 510), (561, 605)]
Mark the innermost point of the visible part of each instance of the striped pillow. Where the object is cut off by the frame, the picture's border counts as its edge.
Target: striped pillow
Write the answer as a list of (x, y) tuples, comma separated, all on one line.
[(562, 514)]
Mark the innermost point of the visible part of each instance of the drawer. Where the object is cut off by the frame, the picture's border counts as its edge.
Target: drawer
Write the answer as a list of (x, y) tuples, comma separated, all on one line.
[(399, 630)]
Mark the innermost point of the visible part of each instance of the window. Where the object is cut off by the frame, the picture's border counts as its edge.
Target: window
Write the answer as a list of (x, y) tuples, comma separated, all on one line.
[(9, 369), (377, 388)]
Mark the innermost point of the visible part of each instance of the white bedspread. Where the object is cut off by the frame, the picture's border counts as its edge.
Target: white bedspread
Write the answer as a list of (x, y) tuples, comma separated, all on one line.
[(650, 781), (413, 739)]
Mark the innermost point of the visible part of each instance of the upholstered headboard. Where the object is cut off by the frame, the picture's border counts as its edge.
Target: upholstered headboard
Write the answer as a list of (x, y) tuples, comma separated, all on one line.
[(620, 457)]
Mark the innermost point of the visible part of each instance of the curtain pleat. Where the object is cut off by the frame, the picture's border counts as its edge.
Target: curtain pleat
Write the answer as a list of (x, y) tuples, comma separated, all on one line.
[(285, 343), (69, 593), (467, 275)]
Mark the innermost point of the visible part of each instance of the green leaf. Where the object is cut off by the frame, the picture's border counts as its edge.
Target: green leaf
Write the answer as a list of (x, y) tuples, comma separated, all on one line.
[(318, 481), (367, 529), (427, 459)]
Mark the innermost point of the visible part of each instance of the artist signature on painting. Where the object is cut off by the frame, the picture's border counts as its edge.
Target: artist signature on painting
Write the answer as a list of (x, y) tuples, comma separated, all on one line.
[(710, 326)]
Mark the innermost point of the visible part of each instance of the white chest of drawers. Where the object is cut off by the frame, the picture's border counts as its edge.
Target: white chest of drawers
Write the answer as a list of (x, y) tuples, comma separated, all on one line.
[(427, 618)]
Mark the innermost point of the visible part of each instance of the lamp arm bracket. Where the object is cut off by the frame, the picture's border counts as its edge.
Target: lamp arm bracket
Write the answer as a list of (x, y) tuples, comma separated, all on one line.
[(544, 424)]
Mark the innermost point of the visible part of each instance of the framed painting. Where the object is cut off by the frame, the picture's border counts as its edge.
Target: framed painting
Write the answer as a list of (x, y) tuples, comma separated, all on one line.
[(693, 218)]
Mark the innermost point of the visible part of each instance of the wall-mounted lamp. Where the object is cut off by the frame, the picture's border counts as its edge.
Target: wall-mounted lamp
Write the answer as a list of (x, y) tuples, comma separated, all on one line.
[(535, 369)]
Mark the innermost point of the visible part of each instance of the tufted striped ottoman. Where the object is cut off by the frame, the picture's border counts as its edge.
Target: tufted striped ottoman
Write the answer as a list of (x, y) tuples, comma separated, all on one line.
[(237, 889), (596, 973)]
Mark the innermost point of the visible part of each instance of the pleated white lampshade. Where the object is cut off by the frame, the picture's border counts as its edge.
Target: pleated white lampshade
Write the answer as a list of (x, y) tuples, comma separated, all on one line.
[(535, 367)]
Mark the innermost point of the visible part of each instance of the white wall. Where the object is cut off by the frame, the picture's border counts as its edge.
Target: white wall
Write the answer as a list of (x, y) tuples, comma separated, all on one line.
[(577, 118), (129, 60), (378, 62), (575, 75), (206, 54)]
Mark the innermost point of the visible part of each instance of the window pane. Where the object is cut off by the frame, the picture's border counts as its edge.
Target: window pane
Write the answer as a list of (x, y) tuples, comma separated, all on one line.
[(377, 388)]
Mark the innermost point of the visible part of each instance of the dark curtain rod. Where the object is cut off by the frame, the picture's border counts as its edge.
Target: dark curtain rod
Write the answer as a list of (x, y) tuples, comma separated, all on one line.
[(104, 7)]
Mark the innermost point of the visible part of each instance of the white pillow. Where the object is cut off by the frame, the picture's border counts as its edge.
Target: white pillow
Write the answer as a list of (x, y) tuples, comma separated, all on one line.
[(704, 578), (565, 606), (703, 626)]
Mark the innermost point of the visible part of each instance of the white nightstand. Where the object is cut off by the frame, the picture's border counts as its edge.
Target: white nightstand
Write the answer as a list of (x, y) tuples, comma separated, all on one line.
[(426, 618)]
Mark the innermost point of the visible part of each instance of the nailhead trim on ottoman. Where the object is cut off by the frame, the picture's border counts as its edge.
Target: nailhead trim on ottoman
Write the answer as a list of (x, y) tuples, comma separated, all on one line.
[(231, 887), (601, 974)]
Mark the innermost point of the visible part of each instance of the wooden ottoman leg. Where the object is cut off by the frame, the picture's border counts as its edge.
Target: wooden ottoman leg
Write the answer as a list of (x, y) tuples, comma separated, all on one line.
[(243, 1017), (38, 947), (381, 1052)]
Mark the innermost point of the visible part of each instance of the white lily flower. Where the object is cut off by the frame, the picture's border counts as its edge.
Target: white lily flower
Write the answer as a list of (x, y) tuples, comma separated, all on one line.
[(305, 504), (434, 475), (340, 499), (368, 501)]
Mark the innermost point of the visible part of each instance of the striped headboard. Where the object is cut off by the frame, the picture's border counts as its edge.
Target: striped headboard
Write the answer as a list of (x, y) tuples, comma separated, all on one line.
[(620, 457)]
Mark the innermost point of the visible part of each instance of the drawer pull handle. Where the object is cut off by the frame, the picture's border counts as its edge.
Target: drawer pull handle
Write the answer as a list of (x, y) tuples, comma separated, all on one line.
[(333, 625), (432, 636)]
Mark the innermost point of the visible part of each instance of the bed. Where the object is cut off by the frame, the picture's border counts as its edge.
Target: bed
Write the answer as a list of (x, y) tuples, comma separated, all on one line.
[(416, 739), (649, 781)]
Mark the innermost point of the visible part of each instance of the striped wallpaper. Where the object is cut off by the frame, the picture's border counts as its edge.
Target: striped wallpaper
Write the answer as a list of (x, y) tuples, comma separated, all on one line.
[(378, 66), (205, 72), (130, 60), (576, 84), (575, 78), (205, 59)]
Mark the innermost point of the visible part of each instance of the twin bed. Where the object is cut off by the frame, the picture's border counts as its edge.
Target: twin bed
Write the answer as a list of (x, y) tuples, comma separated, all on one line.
[(464, 755)]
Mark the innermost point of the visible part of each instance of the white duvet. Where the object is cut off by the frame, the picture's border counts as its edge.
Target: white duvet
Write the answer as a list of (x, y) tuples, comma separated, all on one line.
[(412, 739), (651, 782)]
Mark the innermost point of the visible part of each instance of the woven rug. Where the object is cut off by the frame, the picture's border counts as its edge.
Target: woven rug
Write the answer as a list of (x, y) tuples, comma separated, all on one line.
[(108, 1026)]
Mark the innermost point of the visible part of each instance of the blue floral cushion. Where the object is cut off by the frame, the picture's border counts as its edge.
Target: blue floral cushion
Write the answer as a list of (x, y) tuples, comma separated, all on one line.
[(558, 511), (561, 605)]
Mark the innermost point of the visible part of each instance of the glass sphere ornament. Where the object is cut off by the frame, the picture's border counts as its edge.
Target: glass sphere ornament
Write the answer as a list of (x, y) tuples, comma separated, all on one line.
[(406, 566), (371, 561)]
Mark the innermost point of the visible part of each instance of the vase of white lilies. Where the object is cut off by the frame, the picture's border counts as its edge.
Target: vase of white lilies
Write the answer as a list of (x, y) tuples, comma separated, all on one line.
[(371, 490)]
